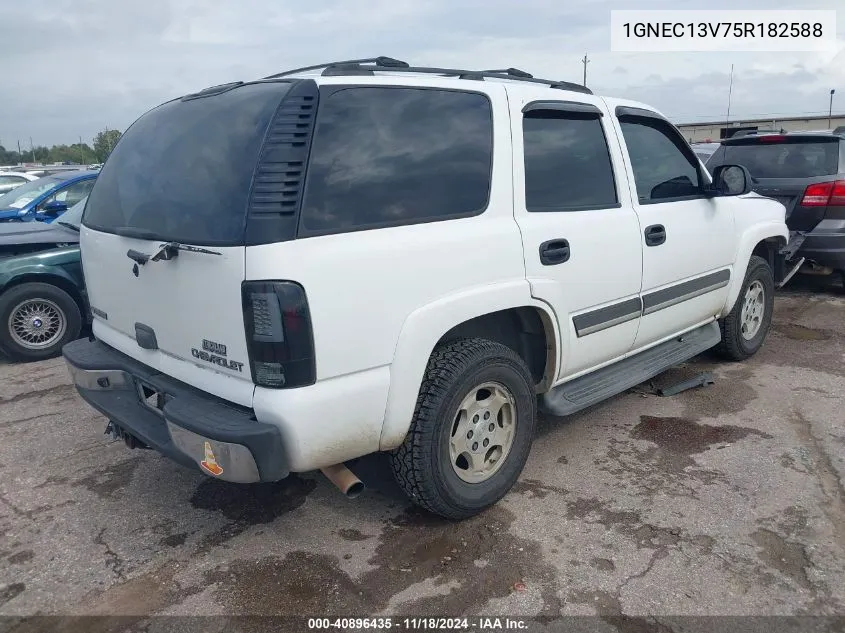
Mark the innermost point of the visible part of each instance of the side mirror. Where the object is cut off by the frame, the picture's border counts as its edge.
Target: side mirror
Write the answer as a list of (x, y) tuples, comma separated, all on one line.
[(54, 208), (730, 180)]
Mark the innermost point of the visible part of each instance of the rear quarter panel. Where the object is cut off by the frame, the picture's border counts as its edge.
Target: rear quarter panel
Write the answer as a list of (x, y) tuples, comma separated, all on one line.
[(364, 286)]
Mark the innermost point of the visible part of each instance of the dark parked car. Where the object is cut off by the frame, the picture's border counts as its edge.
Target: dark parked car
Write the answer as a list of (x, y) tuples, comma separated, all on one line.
[(704, 150), (806, 172), (42, 292)]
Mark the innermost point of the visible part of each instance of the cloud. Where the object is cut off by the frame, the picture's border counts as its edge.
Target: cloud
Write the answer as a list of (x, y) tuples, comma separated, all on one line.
[(72, 67)]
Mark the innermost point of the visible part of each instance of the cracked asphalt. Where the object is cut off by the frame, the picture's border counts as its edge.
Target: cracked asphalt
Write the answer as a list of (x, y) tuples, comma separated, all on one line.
[(721, 500)]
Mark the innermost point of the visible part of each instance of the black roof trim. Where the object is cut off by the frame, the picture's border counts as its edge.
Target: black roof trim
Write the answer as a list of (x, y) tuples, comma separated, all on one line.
[(638, 112), (387, 64), (563, 106)]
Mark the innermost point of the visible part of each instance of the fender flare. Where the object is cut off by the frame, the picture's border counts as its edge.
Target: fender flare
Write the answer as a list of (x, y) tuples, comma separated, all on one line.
[(747, 242), (425, 326), (13, 277)]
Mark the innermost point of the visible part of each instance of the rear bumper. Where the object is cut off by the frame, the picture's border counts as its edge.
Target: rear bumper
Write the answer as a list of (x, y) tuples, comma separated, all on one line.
[(189, 426), (825, 244)]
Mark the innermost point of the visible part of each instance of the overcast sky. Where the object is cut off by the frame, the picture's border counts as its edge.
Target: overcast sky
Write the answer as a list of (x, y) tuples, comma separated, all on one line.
[(72, 67)]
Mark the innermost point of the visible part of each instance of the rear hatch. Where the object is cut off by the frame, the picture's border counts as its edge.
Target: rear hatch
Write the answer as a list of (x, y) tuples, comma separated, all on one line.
[(181, 175), (783, 166)]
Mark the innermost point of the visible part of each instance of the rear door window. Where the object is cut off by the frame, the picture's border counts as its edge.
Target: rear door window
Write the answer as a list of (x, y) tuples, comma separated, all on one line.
[(782, 159), (183, 171), (392, 156), (567, 163)]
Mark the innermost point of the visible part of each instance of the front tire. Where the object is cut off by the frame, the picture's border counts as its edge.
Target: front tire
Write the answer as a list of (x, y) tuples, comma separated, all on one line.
[(36, 320), (472, 429), (745, 328)]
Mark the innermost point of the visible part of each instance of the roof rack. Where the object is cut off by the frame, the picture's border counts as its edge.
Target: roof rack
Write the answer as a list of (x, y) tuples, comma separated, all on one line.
[(367, 66)]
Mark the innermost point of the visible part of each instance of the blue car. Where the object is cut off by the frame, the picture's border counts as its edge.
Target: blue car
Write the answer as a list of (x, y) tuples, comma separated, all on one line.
[(46, 198)]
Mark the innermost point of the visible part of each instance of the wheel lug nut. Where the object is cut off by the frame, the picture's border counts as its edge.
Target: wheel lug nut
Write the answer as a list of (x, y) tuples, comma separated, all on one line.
[(491, 427), (486, 442), (475, 418), (475, 446), (486, 415), (469, 435)]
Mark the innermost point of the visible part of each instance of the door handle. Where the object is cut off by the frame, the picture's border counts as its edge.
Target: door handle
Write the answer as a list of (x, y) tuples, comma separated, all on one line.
[(655, 235), (554, 252)]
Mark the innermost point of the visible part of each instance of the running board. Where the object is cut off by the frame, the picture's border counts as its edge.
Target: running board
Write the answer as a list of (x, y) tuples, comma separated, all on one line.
[(601, 384)]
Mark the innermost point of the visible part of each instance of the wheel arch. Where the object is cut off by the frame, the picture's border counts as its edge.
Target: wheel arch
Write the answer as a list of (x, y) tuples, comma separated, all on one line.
[(764, 240), (53, 278), (503, 312)]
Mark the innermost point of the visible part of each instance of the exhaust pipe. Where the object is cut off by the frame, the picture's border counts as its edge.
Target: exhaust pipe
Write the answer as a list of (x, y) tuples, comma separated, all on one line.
[(344, 479)]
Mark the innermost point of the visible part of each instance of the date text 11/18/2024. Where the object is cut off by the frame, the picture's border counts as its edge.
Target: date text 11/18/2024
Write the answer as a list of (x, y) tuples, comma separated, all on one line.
[(420, 624)]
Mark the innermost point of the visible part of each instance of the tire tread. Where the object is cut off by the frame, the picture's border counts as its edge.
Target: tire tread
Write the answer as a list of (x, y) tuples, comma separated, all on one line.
[(408, 462), (729, 347)]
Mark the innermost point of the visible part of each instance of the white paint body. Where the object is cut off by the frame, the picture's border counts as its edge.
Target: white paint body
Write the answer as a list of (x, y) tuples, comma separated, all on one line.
[(381, 299)]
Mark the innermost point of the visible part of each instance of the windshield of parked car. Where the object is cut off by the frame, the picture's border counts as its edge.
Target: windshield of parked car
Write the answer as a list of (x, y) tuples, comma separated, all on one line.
[(21, 196), (786, 158)]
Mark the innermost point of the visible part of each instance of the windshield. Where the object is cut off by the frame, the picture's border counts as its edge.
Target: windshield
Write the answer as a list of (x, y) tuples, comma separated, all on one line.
[(787, 159), (21, 196), (183, 171)]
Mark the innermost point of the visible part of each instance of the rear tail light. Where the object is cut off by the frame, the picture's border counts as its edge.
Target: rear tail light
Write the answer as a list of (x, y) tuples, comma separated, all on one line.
[(817, 195), (837, 196), (825, 194), (278, 334)]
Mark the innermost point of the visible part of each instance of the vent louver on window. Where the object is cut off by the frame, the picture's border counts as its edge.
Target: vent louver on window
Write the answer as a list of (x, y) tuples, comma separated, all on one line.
[(280, 176)]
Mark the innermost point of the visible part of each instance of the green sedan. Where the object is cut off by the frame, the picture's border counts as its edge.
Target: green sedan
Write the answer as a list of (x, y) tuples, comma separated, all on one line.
[(42, 291)]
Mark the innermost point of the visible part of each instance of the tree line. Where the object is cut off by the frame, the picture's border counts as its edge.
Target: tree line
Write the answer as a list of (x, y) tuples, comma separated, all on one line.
[(78, 153)]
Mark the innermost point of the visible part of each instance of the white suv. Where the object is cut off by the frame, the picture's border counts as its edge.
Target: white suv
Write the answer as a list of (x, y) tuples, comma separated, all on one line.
[(289, 273)]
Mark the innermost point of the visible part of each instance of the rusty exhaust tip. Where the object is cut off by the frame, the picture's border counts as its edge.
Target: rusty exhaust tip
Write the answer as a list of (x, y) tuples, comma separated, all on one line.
[(344, 479)]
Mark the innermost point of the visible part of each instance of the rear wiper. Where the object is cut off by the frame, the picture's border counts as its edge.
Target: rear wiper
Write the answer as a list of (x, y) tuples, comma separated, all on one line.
[(167, 251), (72, 227)]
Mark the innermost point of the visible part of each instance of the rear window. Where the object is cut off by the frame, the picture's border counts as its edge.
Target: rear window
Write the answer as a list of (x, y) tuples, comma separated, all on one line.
[(789, 159), (183, 171), (391, 156)]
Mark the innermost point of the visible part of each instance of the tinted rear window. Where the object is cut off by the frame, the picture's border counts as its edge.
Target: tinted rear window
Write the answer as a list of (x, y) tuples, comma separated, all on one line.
[(391, 156), (793, 159), (183, 171), (567, 163)]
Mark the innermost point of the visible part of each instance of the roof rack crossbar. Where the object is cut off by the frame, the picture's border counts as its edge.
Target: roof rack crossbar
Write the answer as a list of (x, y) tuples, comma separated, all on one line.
[(380, 62), (338, 67)]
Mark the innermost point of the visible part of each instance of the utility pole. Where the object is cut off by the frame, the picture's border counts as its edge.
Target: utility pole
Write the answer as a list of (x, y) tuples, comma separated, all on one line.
[(830, 108), (730, 91), (20, 154), (32, 149), (585, 61)]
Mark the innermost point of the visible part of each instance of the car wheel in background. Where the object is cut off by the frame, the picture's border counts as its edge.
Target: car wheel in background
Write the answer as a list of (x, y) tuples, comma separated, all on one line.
[(36, 320)]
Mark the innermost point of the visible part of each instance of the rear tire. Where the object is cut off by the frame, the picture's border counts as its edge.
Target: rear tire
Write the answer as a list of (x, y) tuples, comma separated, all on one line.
[(36, 320), (472, 429), (746, 326)]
